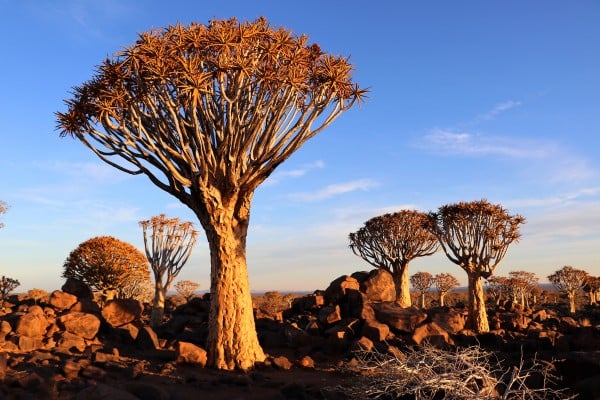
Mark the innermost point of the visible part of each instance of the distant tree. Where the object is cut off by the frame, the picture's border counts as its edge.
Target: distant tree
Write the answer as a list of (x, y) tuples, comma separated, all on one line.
[(592, 288), (37, 294), (475, 235), (7, 285), (3, 209), (521, 283), (569, 280), (497, 287), (104, 262), (169, 243), (444, 283), (208, 112), (422, 281), (391, 242), (187, 288)]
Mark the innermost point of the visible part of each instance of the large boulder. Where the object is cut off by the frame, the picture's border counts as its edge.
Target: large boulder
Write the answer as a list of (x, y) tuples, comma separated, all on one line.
[(32, 325), (433, 334), (189, 353), (397, 317), (376, 285), (77, 288), (449, 319), (122, 311), (81, 324), (62, 300), (340, 288)]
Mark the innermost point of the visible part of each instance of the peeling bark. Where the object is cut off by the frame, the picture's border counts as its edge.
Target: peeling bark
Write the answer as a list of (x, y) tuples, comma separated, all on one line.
[(402, 286), (158, 305), (477, 319)]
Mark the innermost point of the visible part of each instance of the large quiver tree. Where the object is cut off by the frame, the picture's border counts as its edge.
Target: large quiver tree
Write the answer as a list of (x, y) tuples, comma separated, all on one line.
[(391, 242), (208, 112), (475, 235), (569, 280)]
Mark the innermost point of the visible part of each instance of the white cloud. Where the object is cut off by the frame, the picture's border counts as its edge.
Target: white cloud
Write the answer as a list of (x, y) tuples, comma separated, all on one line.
[(566, 199), (335, 190), (495, 111)]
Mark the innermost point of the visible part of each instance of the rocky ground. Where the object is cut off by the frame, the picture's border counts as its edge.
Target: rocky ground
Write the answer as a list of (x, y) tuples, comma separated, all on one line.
[(65, 346)]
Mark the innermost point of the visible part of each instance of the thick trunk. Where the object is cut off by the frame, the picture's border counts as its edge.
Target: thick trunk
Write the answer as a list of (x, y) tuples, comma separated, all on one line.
[(422, 299), (477, 314), (442, 298), (158, 305), (571, 296), (401, 284), (232, 342)]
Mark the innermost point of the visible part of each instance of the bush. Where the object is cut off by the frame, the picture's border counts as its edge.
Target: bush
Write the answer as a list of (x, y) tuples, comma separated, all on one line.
[(104, 262)]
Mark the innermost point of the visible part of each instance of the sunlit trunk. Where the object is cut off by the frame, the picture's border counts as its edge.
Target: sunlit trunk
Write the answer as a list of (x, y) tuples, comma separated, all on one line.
[(158, 305), (442, 298), (477, 314), (422, 299), (232, 341), (402, 286), (571, 296)]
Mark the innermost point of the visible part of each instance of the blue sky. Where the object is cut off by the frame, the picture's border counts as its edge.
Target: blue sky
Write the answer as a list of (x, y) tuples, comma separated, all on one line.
[(469, 100)]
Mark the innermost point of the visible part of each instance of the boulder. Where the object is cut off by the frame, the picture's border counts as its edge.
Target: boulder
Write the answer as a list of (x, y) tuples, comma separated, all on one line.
[(433, 334), (62, 300), (189, 353), (397, 317), (78, 288), (147, 339), (81, 324), (340, 288), (309, 302), (282, 362), (122, 311), (449, 319), (32, 325), (377, 285), (70, 341), (330, 315)]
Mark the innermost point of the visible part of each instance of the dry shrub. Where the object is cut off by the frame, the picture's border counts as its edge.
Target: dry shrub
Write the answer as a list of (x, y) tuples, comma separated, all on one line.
[(427, 372)]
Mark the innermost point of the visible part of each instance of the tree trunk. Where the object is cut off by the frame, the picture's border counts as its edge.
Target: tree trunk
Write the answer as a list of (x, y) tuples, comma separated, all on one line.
[(158, 305), (232, 342), (571, 296), (442, 297), (477, 314), (422, 299), (402, 286)]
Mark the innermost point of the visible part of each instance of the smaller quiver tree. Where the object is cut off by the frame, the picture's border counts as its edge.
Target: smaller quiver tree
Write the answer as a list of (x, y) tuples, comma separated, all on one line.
[(444, 283), (169, 243), (187, 289), (7, 285), (390, 242), (521, 284), (569, 280), (106, 263), (497, 287), (422, 281), (475, 235), (592, 288)]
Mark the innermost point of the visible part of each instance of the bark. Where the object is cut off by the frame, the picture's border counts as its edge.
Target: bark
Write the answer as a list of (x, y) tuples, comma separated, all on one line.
[(571, 296), (401, 283), (442, 298), (232, 341), (423, 300), (477, 313), (158, 305)]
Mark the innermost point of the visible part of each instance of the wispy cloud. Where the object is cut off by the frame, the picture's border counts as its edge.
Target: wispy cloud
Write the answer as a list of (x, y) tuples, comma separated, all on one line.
[(335, 190), (566, 199), (495, 111), (88, 171), (281, 175)]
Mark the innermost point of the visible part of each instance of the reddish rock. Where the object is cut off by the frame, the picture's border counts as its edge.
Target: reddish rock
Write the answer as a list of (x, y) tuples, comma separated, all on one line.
[(282, 362), (147, 339), (432, 333), (306, 362), (36, 310), (375, 330), (70, 341), (27, 343), (340, 288), (309, 302), (32, 325), (122, 311), (450, 320), (81, 324), (362, 344), (330, 315), (77, 288), (5, 329), (189, 353), (539, 315), (397, 317), (61, 300), (377, 285)]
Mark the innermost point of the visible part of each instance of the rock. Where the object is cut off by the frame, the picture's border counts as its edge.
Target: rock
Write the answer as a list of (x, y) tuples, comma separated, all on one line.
[(27, 343), (104, 392), (539, 315), (377, 285), (3, 366), (36, 310), (306, 362), (362, 344), (397, 317), (432, 333), (375, 330), (5, 329), (282, 362), (309, 302), (78, 288), (340, 288), (93, 372), (330, 315), (70, 341), (147, 339), (122, 311), (81, 324), (62, 300), (449, 320), (71, 369), (188, 353), (32, 325)]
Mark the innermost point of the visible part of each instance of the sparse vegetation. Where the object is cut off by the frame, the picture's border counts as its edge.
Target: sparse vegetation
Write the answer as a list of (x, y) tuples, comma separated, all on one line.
[(569, 280), (7, 285), (104, 262), (422, 281), (187, 288), (444, 283)]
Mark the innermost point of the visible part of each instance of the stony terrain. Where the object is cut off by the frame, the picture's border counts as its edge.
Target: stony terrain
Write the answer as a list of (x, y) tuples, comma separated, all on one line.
[(66, 346)]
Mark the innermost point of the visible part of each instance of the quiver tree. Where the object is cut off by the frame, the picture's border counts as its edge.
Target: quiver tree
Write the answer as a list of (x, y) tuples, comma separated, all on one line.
[(208, 112), (592, 288), (105, 263), (444, 283), (496, 288), (7, 285), (422, 281), (569, 280), (390, 242), (475, 236), (168, 243), (521, 284), (187, 288)]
